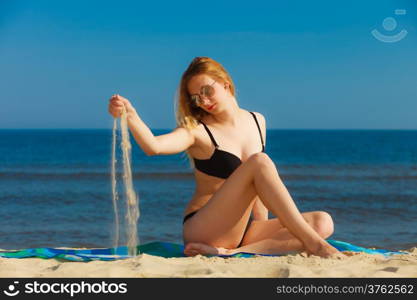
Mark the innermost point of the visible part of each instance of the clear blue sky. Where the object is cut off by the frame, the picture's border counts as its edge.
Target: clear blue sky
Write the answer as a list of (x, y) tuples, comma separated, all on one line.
[(303, 64)]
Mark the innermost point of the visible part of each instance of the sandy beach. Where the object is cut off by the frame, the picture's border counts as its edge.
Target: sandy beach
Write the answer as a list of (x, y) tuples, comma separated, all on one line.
[(148, 266)]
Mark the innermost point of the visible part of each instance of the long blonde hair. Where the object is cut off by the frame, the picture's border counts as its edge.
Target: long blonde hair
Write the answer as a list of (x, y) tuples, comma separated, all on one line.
[(187, 115)]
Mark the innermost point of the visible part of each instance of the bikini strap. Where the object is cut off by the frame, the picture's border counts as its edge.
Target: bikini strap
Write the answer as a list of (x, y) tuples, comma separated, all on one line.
[(211, 136), (260, 134)]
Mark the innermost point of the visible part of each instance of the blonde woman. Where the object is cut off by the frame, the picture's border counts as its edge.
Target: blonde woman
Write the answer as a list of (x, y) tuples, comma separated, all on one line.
[(236, 181)]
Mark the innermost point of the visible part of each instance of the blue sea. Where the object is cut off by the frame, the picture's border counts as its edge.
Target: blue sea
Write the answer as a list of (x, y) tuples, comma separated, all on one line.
[(55, 186)]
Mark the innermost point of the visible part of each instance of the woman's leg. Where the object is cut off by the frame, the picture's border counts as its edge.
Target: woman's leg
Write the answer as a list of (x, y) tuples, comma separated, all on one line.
[(270, 237), (221, 222)]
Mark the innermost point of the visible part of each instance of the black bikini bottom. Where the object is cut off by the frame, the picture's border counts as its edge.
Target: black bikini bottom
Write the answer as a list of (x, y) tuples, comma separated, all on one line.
[(194, 212)]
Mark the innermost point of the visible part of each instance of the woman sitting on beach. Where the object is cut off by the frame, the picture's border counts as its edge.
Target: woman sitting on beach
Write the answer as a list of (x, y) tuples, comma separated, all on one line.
[(236, 181)]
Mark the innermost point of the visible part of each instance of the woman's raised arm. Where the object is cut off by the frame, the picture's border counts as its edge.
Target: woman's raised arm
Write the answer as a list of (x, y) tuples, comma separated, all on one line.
[(180, 139)]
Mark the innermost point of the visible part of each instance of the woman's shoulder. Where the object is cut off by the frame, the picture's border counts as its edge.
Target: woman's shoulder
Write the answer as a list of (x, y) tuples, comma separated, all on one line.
[(197, 129), (201, 141), (260, 118), (262, 124), (197, 132)]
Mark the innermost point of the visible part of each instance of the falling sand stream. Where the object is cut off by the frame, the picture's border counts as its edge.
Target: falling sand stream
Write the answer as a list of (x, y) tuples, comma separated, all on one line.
[(132, 200)]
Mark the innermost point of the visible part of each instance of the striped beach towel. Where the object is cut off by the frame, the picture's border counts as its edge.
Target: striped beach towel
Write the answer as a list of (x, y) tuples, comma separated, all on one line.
[(162, 249)]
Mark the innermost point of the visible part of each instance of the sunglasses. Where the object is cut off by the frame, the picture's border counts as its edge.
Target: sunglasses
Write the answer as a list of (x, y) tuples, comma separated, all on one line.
[(205, 91)]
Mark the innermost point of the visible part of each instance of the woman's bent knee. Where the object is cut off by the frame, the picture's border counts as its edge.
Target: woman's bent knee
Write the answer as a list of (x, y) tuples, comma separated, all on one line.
[(323, 224), (260, 159)]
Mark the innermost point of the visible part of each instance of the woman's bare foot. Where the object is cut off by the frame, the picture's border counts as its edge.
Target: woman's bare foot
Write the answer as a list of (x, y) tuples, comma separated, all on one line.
[(326, 250), (192, 249)]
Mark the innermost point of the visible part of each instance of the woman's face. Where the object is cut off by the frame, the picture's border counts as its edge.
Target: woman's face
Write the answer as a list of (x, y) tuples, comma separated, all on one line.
[(210, 93)]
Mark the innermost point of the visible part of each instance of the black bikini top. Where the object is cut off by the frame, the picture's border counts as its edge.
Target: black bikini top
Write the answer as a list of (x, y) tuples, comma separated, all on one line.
[(221, 163)]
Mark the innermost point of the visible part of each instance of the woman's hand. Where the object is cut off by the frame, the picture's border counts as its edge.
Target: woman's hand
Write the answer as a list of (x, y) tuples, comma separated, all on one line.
[(116, 105)]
